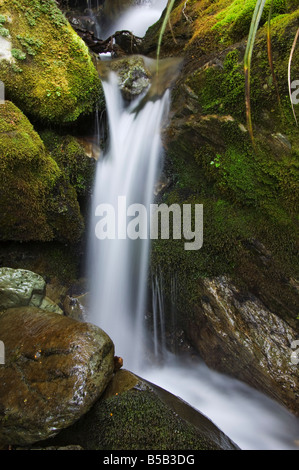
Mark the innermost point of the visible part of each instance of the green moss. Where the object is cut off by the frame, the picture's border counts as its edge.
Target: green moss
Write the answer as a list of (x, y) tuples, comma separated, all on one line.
[(17, 54), (234, 21), (4, 32), (140, 418), (72, 160), (246, 195), (30, 44), (58, 82), (36, 200)]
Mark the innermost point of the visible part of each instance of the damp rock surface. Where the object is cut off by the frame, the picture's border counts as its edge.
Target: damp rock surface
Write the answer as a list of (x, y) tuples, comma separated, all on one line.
[(55, 369), (237, 334), (134, 414)]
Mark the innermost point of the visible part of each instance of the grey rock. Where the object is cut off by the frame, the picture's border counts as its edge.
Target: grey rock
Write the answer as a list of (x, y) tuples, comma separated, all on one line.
[(20, 288), (237, 334)]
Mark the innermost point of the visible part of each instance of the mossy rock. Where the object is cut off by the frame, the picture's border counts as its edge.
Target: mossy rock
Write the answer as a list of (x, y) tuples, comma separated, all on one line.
[(50, 74), (71, 159), (249, 194), (196, 28), (37, 202), (134, 414)]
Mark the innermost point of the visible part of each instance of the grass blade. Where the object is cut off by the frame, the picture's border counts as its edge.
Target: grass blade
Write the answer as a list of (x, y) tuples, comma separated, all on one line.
[(165, 21), (259, 7), (270, 55), (289, 73)]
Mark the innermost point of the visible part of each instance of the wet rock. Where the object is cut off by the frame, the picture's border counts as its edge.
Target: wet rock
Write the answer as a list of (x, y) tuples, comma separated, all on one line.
[(235, 333), (133, 74), (135, 414), (55, 369), (76, 306), (19, 287), (139, 75)]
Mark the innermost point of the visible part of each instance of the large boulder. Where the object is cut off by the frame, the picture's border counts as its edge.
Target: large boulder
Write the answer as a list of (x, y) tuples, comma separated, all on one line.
[(136, 414), (37, 201), (55, 369), (47, 69)]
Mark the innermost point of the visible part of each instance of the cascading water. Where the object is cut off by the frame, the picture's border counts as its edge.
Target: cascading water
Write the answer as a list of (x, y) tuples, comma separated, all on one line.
[(138, 18), (125, 177), (118, 269)]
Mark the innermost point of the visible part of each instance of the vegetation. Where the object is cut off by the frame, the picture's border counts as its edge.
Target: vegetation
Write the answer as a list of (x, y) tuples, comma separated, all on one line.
[(36, 199), (57, 81), (248, 193)]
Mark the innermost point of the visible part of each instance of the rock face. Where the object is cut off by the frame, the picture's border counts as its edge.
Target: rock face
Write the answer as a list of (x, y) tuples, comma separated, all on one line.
[(249, 192), (55, 369), (135, 414), (238, 335)]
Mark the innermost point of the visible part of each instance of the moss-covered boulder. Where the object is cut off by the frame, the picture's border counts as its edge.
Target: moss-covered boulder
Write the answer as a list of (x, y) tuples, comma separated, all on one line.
[(48, 71), (37, 201), (134, 414)]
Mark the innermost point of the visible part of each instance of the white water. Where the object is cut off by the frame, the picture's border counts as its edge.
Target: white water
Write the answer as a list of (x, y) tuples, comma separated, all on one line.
[(119, 276), (138, 18), (249, 418), (119, 266), (118, 269)]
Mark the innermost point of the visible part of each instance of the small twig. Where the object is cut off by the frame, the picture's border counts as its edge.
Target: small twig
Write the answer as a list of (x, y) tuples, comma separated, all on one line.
[(186, 16), (171, 30)]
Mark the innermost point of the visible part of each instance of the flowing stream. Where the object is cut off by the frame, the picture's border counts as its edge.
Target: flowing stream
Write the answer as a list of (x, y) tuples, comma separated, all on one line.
[(118, 269)]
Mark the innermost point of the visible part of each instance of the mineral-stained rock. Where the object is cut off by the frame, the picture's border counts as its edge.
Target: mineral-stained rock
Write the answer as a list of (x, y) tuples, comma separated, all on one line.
[(19, 287), (55, 369), (235, 333)]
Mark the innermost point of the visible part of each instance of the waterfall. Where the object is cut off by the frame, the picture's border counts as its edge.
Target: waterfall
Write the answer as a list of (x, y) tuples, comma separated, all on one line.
[(125, 176), (137, 18), (118, 269), (163, 341)]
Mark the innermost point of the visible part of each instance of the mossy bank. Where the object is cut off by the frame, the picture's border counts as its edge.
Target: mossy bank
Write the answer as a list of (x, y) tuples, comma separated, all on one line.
[(249, 191), (48, 71)]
